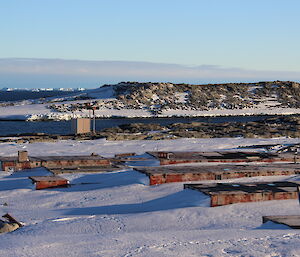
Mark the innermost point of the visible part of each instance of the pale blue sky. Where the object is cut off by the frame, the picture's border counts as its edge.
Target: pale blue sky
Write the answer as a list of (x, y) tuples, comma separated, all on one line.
[(245, 34)]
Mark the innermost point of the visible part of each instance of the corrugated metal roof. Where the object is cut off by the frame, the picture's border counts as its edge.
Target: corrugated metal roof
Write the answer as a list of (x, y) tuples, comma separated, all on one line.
[(242, 188)]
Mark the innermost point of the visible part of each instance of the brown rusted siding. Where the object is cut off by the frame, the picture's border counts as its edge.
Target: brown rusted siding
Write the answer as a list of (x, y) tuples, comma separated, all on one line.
[(185, 176), (74, 163), (170, 162), (50, 184), (120, 155), (181, 161), (53, 162), (225, 199), (156, 179), (7, 164)]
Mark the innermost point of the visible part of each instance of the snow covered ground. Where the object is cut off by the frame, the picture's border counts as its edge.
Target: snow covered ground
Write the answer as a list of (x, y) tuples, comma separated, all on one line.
[(33, 112), (118, 214)]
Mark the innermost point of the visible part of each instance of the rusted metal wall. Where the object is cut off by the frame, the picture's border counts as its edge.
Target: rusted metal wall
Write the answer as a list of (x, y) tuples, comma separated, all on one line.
[(74, 163), (120, 155), (186, 176), (16, 166), (28, 165), (225, 198), (176, 161), (179, 161), (50, 184), (6, 165), (180, 177)]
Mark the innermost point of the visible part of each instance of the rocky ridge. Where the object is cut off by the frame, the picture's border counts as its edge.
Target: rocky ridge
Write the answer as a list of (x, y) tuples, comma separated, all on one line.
[(157, 97)]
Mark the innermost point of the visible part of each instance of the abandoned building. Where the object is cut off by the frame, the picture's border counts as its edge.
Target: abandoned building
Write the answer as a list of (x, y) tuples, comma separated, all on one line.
[(229, 193), (23, 161), (169, 174), (42, 182), (167, 158)]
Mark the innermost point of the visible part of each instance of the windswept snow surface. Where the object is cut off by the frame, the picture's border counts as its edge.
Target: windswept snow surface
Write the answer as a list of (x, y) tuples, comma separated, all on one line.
[(118, 214)]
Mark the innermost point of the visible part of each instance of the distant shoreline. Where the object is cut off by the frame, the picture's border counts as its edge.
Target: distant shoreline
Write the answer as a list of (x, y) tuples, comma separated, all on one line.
[(157, 117)]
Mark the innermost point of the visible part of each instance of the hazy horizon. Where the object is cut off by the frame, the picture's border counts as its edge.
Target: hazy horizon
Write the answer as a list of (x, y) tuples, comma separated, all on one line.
[(39, 73)]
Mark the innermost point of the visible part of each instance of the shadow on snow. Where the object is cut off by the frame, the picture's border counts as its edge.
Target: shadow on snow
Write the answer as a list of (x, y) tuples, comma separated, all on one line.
[(105, 180), (182, 199)]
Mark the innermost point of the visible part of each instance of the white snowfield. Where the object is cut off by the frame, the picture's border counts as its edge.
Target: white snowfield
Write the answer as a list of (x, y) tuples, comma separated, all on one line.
[(118, 214), (31, 111)]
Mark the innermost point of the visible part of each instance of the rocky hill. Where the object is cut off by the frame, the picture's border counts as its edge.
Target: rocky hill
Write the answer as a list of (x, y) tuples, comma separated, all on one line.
[(157, 97), (135, 99)]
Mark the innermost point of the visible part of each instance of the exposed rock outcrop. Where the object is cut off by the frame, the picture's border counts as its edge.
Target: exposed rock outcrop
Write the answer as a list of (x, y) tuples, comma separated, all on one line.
[(157, 97)]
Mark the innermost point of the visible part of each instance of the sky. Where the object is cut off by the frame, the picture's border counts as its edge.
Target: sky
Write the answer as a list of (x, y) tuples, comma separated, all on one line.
[(258, 39)]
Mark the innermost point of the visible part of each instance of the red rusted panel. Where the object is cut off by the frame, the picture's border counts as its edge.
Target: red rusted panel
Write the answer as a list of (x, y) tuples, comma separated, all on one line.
[(169, 162), (8, 164), (186, 176), (25, 165), (50, 184), (179, 161), (72, 163), (214, 201), (198, 176), (60, 162), (20, 165), (156, 179), (173, 178)]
